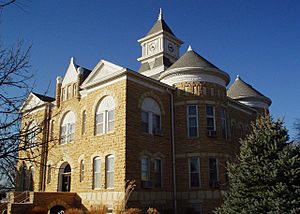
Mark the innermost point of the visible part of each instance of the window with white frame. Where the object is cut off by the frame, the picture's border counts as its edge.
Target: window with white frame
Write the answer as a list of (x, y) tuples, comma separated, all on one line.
[(223, 123), (213, 172), (69, 92), (151, 116), (81, 175), (96, 172), (210, 118), (31, 135), (192, 121), (158, 173), (105, 116), (145, 169), (194, 172), (67, 128), (74, 90), (110, 171), (83, 131), (63, 94)]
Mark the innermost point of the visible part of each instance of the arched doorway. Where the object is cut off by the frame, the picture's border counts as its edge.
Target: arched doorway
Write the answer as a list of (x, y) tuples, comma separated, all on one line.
[(58, 209), (65, 177)]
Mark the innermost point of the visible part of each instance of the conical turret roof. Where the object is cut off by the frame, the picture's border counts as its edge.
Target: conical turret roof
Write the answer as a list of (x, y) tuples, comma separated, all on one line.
[(241, 90), (191, 63), (192, 59)]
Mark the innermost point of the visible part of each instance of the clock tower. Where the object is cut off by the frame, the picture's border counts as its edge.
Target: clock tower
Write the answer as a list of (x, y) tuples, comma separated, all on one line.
[(160, 49)]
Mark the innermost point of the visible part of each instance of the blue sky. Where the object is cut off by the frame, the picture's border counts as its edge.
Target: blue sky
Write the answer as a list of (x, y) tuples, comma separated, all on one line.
[(259, 40)]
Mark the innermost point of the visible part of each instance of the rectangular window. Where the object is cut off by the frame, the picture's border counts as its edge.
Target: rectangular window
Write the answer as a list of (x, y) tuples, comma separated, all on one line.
[(81, 170), (110, 120), (63, 134), (110, 168), (158, 173), (83, 122), (74, 90), (156, 124), (63, 94), (210, 118), (194, 171), (69, 92), (52, 131), (145, 119), (49, 174), (192, 120), (145, 171), (100, 123), (213, 172), (223, 123), (97, 168)]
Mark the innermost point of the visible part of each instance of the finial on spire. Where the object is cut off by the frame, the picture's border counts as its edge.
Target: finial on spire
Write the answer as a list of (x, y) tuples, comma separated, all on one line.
[(237, 77), (189, 48), (160, 16)]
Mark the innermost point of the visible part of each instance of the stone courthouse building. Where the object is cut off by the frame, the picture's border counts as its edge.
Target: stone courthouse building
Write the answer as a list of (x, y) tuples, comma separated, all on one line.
[(171, 126)]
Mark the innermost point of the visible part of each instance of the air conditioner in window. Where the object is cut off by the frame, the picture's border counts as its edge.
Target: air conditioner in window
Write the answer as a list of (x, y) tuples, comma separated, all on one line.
[(211, 133), (214, 184), (146, 184), (157, 131)]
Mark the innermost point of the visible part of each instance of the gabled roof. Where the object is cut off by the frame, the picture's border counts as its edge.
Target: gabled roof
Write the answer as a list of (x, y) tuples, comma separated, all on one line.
[(192, 59), (72, 72), (44, 97), (160, 25), (33, 101), (102, 70), (240, 89)]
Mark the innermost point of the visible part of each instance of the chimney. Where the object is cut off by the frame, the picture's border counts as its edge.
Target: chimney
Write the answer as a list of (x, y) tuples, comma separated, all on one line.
[(80, 71), (58, 90)]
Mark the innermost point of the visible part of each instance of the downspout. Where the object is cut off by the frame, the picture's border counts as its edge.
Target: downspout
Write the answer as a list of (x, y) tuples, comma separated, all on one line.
[(173, 152), (46, 148)]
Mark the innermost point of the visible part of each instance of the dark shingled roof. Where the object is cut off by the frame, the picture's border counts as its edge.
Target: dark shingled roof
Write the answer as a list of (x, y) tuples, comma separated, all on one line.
[(240, 89), (44, 97), (158, 26), (192, 59)]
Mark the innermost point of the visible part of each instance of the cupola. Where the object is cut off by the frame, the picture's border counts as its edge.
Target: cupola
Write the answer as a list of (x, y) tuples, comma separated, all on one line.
[(160, 49)]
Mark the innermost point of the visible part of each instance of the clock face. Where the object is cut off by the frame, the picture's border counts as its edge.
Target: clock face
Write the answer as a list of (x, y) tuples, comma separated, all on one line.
[(152, 47), (170, 47)]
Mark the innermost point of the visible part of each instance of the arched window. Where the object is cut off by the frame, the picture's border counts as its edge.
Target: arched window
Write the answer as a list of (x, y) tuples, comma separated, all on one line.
[(30, 179), (151, 116), (81, 178), (96, 172), (110, 171), (67, 128), (69, 92), (83, 122), (31, 134), (23, 178), (105, 116)]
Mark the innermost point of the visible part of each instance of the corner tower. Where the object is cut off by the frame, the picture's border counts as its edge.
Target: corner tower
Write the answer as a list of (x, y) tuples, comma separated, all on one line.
[(160, 49)]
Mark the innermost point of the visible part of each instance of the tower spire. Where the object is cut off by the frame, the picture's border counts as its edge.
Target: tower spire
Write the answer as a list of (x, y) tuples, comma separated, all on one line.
[(160, 16)]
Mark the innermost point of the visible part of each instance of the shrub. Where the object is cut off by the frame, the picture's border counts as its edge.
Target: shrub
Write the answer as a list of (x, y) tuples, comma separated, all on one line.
[(152, 211), (99, 209), (132, 211)]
